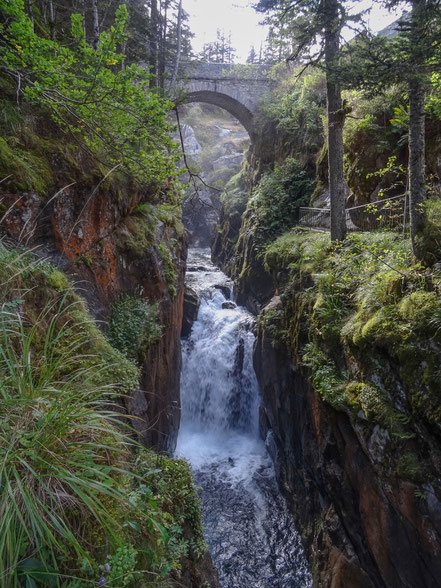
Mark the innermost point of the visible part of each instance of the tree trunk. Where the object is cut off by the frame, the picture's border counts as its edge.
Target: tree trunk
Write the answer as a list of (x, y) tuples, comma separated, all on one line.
[(163, 48), (336, 118), (29, 9), (96, 25), (51, 20), (154, 43), (417, 183), (178, 47)]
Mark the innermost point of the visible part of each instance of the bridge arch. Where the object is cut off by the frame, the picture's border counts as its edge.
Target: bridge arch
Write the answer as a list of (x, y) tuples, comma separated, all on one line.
[(231, 105)]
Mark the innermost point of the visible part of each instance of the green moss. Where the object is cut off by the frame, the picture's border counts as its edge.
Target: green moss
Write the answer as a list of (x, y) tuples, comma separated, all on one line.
[(170, 215), (58, 280), (141, 229), (365, 308), (272, 322), (420, 308), (29, 171)]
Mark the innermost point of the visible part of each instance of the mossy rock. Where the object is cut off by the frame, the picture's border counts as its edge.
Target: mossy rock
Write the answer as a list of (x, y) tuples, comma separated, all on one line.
[(420, 308)]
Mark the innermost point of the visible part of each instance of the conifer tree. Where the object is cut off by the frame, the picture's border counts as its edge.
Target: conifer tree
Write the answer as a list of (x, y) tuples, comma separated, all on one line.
[(411, 56), (316, 27), (252, 56)]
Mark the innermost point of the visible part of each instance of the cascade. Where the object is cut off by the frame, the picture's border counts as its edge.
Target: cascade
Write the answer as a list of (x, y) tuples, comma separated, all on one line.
[(249, 531)]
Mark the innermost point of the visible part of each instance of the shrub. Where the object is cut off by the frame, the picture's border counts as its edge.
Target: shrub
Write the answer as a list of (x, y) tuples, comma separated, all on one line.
[(134, 326), (169, 269), (274, 203)]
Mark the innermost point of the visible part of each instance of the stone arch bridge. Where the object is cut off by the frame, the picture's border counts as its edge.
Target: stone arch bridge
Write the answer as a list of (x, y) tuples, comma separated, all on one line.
[(235, 88)]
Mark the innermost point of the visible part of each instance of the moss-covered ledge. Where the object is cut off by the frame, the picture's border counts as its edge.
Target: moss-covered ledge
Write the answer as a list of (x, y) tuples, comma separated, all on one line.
[(347, 358)]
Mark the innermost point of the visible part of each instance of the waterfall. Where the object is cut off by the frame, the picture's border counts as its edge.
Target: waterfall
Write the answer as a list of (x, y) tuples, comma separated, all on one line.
[(250, 533)]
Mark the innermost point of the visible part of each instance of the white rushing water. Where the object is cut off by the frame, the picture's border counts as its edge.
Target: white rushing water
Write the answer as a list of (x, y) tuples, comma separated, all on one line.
[(250, 533)]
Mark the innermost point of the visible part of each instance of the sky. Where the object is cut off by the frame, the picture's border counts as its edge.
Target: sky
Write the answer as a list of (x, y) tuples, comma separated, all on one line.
[(239, 17)]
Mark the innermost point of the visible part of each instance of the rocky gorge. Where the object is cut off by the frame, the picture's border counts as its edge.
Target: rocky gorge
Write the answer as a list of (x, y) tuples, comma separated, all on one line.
[(345, 356), (269, 417)]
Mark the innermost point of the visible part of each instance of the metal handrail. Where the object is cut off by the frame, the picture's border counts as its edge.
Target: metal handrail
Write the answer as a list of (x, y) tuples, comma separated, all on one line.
[(355, 221)]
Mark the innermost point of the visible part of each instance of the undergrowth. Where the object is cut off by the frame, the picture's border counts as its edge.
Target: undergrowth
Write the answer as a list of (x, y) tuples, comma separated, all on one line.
[(134, 326), (81, 503), (362, 306)]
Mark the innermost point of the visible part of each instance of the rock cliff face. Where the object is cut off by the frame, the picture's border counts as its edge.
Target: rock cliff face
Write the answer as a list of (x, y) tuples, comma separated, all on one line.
[(361, 478), (96, 234), (360, 528)]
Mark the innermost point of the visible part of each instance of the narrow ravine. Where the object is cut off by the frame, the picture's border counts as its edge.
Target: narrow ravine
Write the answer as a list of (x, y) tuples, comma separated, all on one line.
[(250, 534)]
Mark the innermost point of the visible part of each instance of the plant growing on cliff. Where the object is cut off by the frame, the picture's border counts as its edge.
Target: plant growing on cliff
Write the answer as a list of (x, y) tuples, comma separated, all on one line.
[(80, 503), (134, 326), (60, 449), (95, 98), (276, 199)]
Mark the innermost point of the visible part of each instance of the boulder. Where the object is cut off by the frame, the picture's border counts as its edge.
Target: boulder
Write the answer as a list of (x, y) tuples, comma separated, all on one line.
[(226, 291), (228, 305)]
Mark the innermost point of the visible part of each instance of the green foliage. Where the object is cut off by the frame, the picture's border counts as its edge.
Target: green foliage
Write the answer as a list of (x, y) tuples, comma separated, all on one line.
[(91, 94), (373, 141), (169, 269), (177, 495), (430, 237), (378, 408), (369, 300), (141, 225), (134, 326), (275, 201), (235, 195), (29, 170), (328, 380), (298, 108), (433, 104), (56, 435), (80, 504), (272, 322), (121, 566)]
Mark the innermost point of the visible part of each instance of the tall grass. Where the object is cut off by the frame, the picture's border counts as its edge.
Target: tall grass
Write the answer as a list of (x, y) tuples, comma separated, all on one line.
[(58, 443)]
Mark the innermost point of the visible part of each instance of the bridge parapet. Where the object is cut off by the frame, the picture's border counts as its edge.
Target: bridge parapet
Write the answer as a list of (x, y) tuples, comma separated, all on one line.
[(234, 87)]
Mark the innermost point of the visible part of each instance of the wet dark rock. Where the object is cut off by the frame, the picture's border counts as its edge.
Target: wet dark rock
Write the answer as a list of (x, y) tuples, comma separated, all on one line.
[(228, 305), (226, 290), (361, 529), (190, 312)]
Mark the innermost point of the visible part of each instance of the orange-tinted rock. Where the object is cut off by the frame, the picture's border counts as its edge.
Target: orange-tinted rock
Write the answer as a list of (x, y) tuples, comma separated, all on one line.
[(82, 222)]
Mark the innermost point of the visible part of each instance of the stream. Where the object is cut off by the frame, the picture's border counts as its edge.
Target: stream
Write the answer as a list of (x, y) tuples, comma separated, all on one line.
[(249, 531)]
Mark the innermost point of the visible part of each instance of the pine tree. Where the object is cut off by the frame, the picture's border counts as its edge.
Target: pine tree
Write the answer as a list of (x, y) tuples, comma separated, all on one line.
[(252, 56), (410, 57), (315, 26), (422, 37)]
